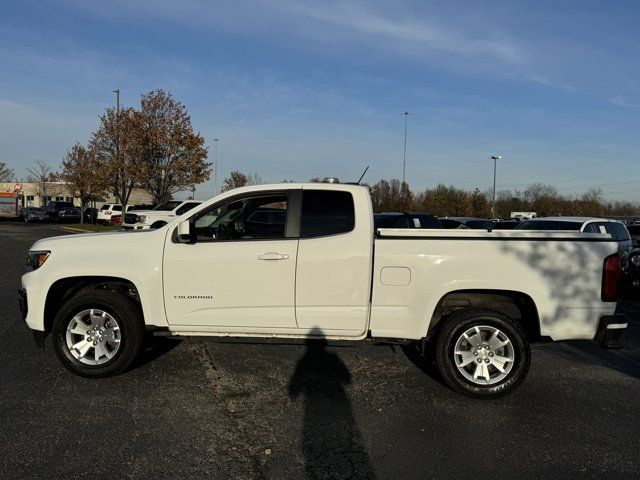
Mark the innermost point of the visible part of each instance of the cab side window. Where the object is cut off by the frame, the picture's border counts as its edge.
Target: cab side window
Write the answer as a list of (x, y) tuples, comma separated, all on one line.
[(241, 219), (326, 212)]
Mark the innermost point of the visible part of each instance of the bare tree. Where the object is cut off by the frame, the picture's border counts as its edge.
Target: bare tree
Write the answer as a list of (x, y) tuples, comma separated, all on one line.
[(6, 174), (81, 171), (172, 155), (43, 178), (254, 179)]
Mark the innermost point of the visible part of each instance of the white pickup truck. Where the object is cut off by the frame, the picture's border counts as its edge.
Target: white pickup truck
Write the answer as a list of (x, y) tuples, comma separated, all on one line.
[(303, 260), (158, 216)]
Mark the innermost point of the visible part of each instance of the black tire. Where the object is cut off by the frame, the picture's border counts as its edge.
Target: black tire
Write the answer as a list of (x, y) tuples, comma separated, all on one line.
[(158, 224), (131, 327), (460, 322)]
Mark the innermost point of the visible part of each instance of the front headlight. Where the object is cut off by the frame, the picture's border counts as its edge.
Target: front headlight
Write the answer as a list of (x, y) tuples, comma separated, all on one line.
[(36, 259), (635, 259), (142, 218)]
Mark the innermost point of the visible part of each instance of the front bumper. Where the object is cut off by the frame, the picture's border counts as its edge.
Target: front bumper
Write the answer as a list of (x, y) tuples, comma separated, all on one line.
[(38, 336), (611, 329)]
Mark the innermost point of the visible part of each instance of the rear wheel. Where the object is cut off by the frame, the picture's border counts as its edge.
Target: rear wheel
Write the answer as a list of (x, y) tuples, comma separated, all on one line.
[(482, 353), (98, 333)]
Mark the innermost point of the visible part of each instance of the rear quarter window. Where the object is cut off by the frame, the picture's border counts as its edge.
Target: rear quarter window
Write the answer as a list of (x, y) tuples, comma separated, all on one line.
[(326, 212)]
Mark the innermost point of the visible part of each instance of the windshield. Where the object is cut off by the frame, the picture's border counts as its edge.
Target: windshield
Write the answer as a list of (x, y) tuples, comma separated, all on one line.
[(168, 206)]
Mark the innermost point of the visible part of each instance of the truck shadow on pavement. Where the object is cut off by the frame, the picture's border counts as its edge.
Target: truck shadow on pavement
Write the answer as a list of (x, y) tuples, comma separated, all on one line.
[(423, 362), (331, 441), (625, 360), (154, 348)]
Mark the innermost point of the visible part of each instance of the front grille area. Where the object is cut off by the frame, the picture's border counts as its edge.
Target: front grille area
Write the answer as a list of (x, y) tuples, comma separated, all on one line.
[(130, 218)]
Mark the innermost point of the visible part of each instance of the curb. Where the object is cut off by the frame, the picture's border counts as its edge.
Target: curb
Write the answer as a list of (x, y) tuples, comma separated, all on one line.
[(74, 230)]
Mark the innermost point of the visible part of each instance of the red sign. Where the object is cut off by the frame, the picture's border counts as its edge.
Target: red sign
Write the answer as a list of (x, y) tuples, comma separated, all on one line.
[(17, 187)]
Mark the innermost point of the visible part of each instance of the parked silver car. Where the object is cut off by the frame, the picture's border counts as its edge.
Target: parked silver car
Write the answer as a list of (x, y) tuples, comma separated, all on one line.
[(33, 214)]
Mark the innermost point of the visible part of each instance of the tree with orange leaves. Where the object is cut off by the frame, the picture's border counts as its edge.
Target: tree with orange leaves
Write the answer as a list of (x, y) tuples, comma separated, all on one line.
[(81, 172), (172, 156)]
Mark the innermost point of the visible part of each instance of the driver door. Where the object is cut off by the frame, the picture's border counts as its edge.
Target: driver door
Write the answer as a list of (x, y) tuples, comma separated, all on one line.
[(237, 275)]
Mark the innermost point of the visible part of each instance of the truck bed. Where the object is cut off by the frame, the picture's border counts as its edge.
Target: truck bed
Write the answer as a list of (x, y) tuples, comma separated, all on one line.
[(560, 271)]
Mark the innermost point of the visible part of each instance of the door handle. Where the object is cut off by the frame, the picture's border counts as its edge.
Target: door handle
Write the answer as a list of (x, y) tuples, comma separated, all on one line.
[(273, 256)]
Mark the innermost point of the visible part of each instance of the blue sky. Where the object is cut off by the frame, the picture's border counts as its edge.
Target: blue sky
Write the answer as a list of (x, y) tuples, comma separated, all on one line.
[(296, 89)]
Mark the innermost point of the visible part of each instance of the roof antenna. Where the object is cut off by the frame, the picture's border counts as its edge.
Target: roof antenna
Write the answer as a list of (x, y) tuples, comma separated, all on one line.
[(363, 174)]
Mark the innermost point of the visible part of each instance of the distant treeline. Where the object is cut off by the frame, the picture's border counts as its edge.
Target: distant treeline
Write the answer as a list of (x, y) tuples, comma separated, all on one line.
[(545, 200), (442, 200)]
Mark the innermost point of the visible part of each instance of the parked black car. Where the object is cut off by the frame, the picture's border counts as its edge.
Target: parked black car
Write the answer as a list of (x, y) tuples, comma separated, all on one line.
[(630, 281), (90, 214), (467, 222), (634, 231), (54, 207), (405, 220), (69, 215), (509, 224)]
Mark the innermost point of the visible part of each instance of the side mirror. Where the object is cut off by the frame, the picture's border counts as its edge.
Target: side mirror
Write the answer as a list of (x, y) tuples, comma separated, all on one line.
[(184, 232)]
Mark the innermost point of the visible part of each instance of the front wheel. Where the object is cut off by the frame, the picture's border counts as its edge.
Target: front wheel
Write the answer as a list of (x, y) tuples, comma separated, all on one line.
[(98, 333), (482, 353), (159, 224)]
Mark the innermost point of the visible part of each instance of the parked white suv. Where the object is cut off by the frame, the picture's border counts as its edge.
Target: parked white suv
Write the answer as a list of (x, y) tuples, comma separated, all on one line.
[(159, 216), (108, 210)]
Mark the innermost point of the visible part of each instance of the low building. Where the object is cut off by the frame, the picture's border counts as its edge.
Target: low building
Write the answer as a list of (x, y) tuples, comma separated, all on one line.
[(31, 195)]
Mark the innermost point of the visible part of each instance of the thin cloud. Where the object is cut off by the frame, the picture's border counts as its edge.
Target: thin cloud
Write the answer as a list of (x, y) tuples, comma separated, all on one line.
[(549, 83), (429, 35), (620, 101), (318, 21)]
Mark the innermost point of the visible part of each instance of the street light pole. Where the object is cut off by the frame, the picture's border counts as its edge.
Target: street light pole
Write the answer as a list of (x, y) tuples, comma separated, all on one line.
[(495, 159), (406, 114), (117, 92), (215, 166)]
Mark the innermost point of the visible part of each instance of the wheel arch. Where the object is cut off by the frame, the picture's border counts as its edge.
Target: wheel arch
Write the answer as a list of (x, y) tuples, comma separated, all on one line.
[(66, 288), (517, 305)]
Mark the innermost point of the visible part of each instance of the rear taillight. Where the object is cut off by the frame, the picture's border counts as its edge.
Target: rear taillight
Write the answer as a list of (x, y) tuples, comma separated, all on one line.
[(611, 275)]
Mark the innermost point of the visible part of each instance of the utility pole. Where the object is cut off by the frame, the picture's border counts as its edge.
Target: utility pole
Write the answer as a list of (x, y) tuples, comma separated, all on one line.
[(406, 114), (215, 166), (117, 92), (495, 159)]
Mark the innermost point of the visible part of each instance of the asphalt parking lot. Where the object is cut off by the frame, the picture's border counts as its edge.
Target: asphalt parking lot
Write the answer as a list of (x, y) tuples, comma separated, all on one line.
[(201, 409)]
